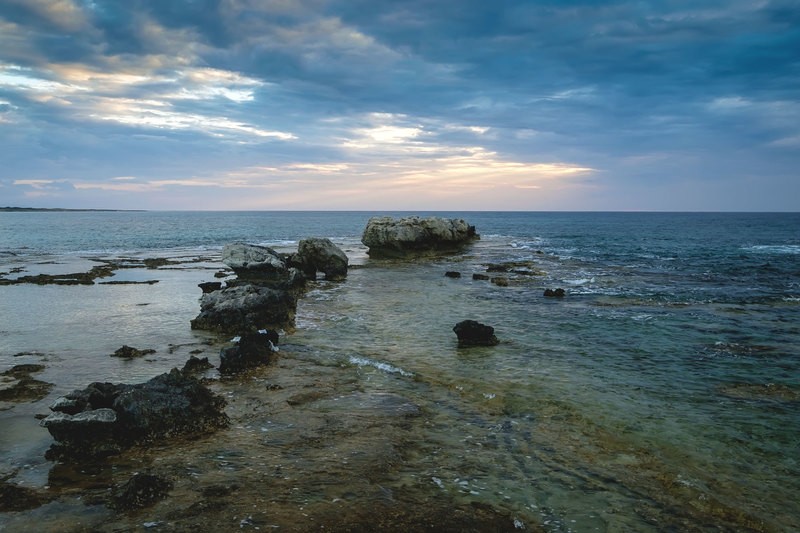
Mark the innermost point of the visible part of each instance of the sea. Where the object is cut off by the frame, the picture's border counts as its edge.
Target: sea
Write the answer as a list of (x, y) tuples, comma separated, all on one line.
[(660, 393)]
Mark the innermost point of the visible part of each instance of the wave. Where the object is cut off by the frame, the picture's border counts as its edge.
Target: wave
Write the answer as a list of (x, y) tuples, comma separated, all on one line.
[(777, 249), (384, 367)]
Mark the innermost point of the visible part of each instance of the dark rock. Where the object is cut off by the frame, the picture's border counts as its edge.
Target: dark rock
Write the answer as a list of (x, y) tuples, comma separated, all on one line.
[(500, 281), (252, 350), (482, 277), (472, 333), (127, 352), (106, 418), (221, 274), (554, 293), (141, 490), (16, 384), (320, 255), (20, 371), (245, 307), (389, 237), (452, 274), (497, 268), (210, 286), (16, 498), (195, 365)]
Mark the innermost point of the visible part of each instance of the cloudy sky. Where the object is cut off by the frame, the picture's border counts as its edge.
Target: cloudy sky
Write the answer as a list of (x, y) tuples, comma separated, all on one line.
[(400, 104)]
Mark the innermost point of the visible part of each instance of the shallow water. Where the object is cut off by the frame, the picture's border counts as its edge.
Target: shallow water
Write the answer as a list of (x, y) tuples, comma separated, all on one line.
[(660, 394)]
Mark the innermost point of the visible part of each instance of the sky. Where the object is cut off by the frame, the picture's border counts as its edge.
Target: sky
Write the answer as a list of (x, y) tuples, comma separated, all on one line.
[(374, 105)]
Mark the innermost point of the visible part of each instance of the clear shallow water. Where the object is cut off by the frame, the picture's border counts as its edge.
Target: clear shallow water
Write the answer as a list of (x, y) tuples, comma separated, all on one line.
[(661, 393)]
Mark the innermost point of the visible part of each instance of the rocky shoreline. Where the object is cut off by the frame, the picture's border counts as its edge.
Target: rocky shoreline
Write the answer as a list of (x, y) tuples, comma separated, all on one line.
[(169, 423)]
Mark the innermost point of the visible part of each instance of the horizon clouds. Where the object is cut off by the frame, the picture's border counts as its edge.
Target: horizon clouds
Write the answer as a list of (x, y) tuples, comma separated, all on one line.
[(400, 105)]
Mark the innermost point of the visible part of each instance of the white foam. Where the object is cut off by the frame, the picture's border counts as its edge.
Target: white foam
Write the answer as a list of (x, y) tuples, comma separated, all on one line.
[(791, 249), (385, 367)]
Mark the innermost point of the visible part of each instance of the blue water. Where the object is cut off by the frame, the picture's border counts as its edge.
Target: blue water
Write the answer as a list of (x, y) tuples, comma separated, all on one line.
[(662, 393)]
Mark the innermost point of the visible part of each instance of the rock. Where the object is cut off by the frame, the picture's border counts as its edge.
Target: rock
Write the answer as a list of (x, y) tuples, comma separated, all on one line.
[(17, 498), (106, 418), (500, 281), (252, 350), (210, 286), (244, 308), (481, 277), (141, 490), (557, 293), (195, 365), (452, 274), (775, 392), (127, 352), (389, 237), (321, 255), (17, 385), (256, 263), (472, 333)]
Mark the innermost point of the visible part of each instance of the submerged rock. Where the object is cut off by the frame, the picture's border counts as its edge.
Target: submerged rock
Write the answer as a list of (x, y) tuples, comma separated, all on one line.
[(141, 490), (17, 498), (252, 350), (321, 255), (128, 352), (452, 274), (472, 333), (554, 293), (17, 385), (244, 308), (389, 237), (106, 418)]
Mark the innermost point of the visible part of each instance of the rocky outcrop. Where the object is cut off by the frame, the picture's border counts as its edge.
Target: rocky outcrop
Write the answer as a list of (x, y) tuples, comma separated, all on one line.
[(244, 308), (320, 255), (17, 385), (554, 293), (472, 333), (259, 264), (129, 352), (264, 295), (251, 351), (389, 237), (210, 286), (105, 418)]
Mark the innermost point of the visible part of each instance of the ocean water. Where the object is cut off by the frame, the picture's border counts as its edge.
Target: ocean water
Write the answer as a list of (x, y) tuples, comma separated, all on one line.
[(661, 394)]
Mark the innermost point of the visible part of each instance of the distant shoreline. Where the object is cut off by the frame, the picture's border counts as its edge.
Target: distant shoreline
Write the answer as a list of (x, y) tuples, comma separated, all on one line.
[(58, 209)]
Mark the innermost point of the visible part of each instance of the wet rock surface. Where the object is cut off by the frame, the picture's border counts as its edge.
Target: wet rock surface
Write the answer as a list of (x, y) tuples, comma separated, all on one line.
[(342, 459), (398, 238), (129, 352), (17, 384), (141, 490), (105, 418), (554, 293)]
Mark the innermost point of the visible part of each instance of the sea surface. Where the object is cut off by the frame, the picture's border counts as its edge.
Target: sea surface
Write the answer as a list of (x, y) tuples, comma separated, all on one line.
[(662, 393)]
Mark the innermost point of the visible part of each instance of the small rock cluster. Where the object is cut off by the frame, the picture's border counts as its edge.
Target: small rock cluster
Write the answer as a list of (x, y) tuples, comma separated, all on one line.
[(264, 295), (106, 418)]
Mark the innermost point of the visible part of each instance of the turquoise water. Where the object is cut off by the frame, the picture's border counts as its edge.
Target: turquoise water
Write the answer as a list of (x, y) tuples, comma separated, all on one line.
[(661, 393)]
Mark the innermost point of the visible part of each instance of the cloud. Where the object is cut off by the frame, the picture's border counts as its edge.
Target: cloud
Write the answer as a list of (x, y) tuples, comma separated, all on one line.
[(560, 101)]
